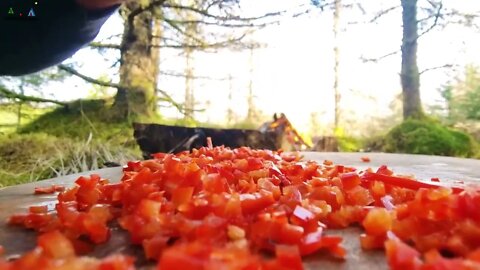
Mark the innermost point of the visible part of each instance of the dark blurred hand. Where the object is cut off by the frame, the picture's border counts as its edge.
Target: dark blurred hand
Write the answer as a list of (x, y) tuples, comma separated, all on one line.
[(98, 4)]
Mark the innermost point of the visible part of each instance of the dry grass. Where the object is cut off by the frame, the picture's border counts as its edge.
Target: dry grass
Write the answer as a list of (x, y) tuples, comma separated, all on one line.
[(31, 157)]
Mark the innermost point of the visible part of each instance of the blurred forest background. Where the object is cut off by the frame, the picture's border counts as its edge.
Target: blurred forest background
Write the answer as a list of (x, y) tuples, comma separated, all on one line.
[(393, 75)]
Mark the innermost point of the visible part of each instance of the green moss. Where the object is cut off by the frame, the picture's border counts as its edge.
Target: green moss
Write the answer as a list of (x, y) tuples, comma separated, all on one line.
[(429, 137), (82, 119)]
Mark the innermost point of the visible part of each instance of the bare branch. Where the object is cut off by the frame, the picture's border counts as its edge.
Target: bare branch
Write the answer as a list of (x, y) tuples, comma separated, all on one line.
[(375, 60), (12, 95), (169, 99), (216, 2), (179, 30), (196, 77), (382, 13), (113, 36), (360, 7), (139, 11), (205, 13), (116, 63), (226, 25), (89, 79), (202, 46), (433, 4), (435, 68), (436, 16), (377, 16), (166, 96), (99, 45)]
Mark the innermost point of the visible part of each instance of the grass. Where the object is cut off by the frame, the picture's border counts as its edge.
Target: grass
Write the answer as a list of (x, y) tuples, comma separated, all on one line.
[(31, 157), (27, 158), (65, 140), (79, 120)]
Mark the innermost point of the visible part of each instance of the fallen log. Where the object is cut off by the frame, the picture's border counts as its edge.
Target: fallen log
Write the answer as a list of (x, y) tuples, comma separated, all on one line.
[(154, 138)]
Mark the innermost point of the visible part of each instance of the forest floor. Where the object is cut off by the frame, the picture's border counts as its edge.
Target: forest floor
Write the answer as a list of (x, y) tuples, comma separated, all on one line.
[(56, 141)]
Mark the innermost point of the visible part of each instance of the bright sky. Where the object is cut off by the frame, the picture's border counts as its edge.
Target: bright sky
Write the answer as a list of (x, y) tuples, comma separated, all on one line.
[(294, 73)]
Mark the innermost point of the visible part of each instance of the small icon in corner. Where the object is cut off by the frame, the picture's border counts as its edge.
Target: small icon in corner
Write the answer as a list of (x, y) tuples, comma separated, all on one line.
[(31, 13)]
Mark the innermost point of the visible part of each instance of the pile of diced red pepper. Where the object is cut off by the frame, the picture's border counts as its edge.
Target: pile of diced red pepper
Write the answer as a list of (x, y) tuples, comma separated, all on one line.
[(221, 208)]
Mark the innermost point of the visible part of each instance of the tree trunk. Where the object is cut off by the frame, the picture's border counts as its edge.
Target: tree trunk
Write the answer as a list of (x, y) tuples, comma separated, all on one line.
[(230, 113), (189, 97), (252, 111), (189, 71), (138, 66), (336, 69), (410, 77), (19, 109)]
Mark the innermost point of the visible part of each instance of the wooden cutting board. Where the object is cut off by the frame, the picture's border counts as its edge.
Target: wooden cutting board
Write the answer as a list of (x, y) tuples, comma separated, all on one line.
[(17, 199)]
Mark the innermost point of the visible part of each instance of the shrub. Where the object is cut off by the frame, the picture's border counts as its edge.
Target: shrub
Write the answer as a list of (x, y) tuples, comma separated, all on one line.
[(347, 143), (430, 138)]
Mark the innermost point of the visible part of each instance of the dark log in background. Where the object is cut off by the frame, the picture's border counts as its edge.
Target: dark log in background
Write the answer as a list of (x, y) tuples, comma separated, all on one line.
[(325, 144), (155, 138)]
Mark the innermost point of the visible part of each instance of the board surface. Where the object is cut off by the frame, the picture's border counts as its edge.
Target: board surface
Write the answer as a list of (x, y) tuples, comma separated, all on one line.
[(17, 199)]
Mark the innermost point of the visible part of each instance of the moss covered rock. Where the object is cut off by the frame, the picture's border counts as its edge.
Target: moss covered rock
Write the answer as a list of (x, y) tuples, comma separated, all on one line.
[(430, 138)]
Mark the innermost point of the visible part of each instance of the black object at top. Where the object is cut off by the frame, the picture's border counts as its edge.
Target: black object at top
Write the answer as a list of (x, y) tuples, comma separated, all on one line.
[(57, 30)]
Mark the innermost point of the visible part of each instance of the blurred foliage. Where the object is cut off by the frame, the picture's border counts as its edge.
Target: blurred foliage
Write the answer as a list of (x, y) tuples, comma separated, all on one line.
[(429, 137), (462, 102), (184, 122), (34, 81), (245, 124), (463, 96), (101, 92), (347, 143), (16, 111), (9, 116), (30, 84)]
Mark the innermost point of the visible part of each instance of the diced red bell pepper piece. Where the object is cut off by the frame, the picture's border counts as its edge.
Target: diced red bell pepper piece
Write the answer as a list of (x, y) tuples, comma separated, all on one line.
[(350, 180), (56, 245), (407, 183), (288, 257)]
